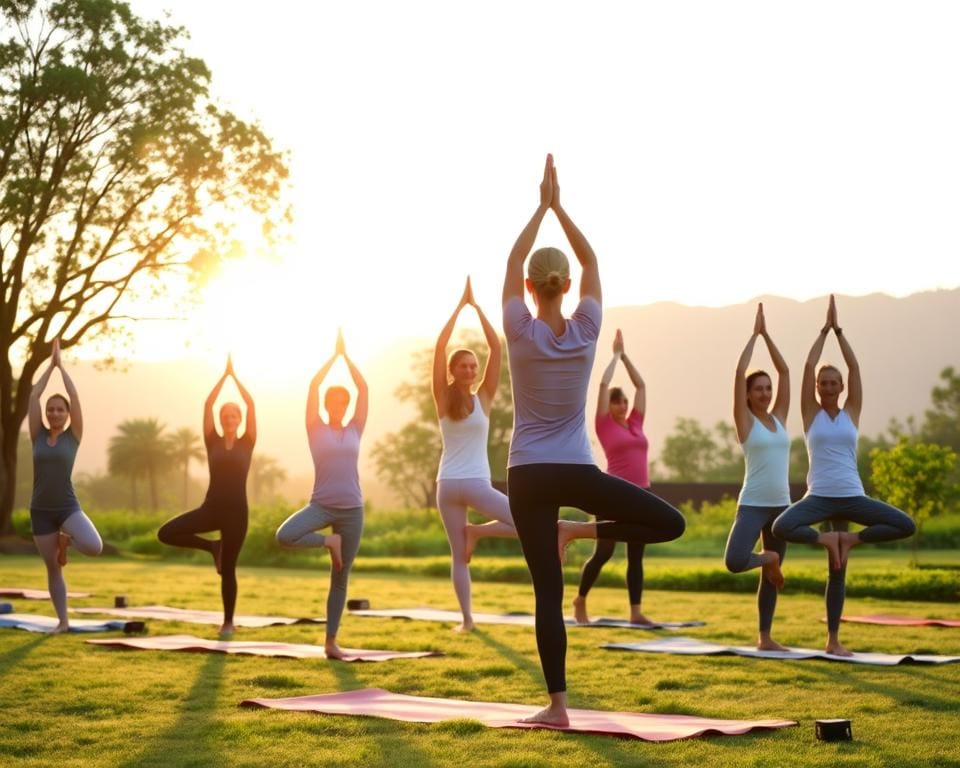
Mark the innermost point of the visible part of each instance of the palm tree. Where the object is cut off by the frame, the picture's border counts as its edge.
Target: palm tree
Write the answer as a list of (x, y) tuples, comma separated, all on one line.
[(140, 450), (265, 473), (184, 446)]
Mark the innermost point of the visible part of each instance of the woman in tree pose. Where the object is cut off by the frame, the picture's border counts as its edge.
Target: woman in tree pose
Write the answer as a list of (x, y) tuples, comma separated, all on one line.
[(224, 508), (336, 501), (463, 479), (56, 519), (620, 431), (834, 490), (551, 463), (762, 434)]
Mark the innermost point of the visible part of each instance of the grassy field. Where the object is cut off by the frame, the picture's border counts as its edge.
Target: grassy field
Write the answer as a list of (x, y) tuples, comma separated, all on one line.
[(65, 703)]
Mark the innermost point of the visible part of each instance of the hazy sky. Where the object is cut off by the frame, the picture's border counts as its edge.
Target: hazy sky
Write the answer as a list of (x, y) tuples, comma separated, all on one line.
[(711, 152)]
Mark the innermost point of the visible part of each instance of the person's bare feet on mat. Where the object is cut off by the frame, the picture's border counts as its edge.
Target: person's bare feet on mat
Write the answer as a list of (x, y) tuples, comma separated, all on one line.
[(835, 648), (227, 630), (333, 650), (767, 643), (60, 628), (580, 610), (552, 715)]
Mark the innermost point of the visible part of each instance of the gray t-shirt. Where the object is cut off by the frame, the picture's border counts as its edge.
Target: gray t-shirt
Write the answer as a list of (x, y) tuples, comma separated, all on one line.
[(550, 375), (52, 467)]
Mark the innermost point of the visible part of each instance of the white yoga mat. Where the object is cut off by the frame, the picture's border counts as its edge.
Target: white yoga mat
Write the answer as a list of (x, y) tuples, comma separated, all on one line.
[(514, 619), (215, 618), (34, 623)]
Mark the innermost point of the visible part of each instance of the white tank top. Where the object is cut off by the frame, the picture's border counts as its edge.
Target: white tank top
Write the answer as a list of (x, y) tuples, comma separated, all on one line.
[(767, 459), (464, 454), (832, 449)]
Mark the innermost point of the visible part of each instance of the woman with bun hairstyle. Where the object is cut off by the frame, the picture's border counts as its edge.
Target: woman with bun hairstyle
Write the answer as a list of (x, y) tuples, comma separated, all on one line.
[(224, 508), (619, 429), (834, 490), (463, 479), (551, 464), (762, 434), (56, 519)]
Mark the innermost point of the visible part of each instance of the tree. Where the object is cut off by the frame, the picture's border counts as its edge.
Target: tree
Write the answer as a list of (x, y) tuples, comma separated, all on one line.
[(265, 473), (693, 454), (915, 477), (184, 446), (118, 178), (407, 460), (942, 422), (140, 450)]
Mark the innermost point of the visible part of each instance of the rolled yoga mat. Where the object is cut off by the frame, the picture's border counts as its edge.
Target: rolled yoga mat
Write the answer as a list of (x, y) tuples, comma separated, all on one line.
[(890, 620), (687, 646), (35, 623), (166, 613), (254, 648), (377, 702), (514, 619)]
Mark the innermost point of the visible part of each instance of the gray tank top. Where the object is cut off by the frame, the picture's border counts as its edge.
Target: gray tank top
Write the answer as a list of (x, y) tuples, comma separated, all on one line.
[(52, 467)]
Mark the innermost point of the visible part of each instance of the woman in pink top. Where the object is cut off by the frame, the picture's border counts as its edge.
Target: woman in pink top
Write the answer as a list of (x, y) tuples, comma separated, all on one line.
[(620, 431)]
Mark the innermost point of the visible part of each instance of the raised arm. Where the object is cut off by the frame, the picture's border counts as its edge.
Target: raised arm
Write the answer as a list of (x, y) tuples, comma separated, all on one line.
[(603, 396), (35, 418), (639, 386), (590, 277), (781, 406), (491, 371), (251, 428), (742, 418), (513, 280), (313, 394), (76, 412), (440, 355), (854, 401), (208, 423), (363, 395), (808, 387)]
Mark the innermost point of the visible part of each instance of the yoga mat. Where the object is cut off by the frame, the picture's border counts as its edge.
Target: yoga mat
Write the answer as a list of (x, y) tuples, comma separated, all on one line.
[(377, 702), (34, 594), (166, 613), (254, 648), (687, 646), (515, 619), (901, 621), (33, 623)]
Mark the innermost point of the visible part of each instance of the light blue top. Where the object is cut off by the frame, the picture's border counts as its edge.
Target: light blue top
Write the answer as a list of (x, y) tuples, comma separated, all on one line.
[(550, 375), (767, 458), (336, 452), (832, 448)]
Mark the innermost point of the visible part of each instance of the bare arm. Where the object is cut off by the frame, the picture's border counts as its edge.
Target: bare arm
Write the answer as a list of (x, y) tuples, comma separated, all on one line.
[(808, 387), (742, 418), (313, 394), (513, 280), (590, 277), (640, 387), (208, 424), (35, 420), (854, 402), (363, 398), (781, 406), (251, 429), (603, 396), (76, 412), (440, 356), (491, 372)]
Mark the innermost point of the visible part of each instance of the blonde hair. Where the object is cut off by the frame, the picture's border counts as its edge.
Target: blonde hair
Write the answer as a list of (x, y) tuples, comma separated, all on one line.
[(830, 367), (548, 270)]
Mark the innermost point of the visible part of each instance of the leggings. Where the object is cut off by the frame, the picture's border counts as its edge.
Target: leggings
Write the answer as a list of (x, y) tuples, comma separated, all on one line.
[(300, 531), (453, 498), (182, 531), (84, 537), (754, 523), (536, 493), (883, 523), (602, 552)]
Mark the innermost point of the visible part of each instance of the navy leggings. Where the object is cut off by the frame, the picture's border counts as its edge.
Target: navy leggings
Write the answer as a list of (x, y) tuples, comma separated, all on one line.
[(537, 491), (754, 523), (602, 552), (182, 531)]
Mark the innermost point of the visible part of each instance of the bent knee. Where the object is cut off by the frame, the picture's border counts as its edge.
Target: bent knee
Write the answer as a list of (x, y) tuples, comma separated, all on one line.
[(736, 562), (283, 538), (909, 526)]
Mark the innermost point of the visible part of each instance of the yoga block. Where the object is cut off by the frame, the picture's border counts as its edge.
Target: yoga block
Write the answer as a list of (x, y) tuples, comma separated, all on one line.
[(120, 601), (6, 608), (834, 730), (134, 628), (359, 604)]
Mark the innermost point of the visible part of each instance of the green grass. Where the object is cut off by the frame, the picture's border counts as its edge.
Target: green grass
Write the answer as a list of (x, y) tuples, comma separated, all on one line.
[(66, 703)]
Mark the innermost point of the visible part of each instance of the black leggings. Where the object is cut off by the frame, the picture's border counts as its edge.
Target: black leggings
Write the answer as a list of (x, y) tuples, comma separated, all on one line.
[(182, 531), (537, 491), (602, 552)]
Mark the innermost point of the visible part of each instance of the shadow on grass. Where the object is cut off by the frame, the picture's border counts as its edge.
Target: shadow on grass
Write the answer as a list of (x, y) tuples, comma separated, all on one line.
[(397, 748), (189, 741), (11, 658)]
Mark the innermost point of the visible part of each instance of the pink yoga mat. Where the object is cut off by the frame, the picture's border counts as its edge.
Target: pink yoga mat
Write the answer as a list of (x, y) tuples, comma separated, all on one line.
[(253, 648), (215, 618), (34, 594), (901, 621), (377, 702)]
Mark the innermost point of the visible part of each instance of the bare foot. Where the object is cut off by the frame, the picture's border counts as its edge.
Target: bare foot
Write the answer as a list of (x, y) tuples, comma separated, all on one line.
[(638, 618), (847, 542), (580, 610), (227, 629), (217, 552), (834, 648), (333, 650), (333, 543), (771, 569), (552, 715), (471, 535), (567, 531), (63, 626), (464, 626), (62, 543), (831, 542), (769, 644)]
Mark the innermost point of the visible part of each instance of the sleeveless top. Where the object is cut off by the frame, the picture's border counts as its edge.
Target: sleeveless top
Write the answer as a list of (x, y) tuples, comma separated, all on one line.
[(832, 448), (464, 454), (625, 447), (228, 470), (767, 458), (52, 467), (336, 453)]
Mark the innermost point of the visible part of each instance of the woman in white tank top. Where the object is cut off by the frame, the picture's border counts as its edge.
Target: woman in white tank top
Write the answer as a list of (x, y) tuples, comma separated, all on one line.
[(463, 479), (766, 491), (834, 490)]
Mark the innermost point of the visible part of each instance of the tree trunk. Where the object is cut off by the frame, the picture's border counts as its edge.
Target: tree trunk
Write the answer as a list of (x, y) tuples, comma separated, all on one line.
[(8, 481)]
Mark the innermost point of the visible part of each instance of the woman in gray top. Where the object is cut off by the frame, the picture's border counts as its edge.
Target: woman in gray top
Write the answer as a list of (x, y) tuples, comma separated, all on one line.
[(55, 515)]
